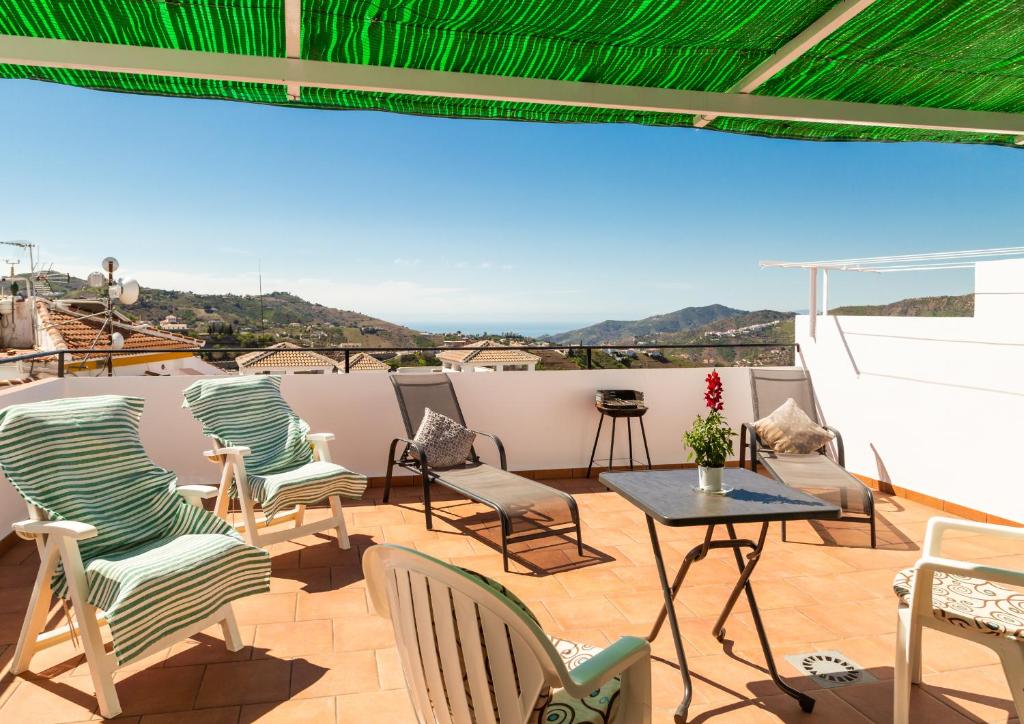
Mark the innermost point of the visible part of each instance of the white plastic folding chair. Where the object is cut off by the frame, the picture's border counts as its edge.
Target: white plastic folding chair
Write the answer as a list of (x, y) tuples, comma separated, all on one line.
[(472, 653), (962, 599)]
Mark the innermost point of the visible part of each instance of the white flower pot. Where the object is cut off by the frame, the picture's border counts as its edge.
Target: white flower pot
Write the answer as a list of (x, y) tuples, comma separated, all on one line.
[(710, 479)]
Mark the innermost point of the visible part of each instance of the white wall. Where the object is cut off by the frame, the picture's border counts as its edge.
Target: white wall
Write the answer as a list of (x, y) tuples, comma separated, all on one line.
[(547, 420), (931, 404)]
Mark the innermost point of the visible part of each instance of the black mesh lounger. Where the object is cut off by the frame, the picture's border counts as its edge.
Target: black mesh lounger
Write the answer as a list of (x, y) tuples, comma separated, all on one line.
[(526, 509), (816, 474)]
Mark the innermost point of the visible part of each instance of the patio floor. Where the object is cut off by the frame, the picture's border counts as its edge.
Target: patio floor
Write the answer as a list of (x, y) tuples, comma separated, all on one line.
[(316, 653)]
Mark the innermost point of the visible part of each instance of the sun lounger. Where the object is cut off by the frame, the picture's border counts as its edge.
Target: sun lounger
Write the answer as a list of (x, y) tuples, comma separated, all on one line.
[(527, 509), (815, 473)]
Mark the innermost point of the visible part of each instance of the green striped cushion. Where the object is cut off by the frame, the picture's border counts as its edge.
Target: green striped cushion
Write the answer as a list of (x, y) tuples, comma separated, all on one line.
[(250, 411), (81, 459)]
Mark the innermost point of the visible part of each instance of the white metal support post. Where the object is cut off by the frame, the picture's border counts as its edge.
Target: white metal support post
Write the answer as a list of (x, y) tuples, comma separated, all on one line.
[(824, 292), (812, 308)]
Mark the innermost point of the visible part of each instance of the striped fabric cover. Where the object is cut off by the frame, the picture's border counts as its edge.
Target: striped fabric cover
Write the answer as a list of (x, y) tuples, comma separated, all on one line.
[(158, 564), (250, 411)]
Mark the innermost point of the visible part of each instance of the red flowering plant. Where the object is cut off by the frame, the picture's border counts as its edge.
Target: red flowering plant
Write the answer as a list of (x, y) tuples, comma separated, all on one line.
[(710, 438)]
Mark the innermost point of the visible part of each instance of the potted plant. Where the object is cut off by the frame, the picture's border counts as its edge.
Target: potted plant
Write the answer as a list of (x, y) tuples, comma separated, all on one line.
[(710, 438)]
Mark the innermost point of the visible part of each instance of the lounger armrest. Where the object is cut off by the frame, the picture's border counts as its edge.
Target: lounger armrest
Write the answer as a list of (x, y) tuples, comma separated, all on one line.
[(931, 564), (238, 450), (315, 437), (420, 454), (196, 494), (498, 444), (64, 528), (938, 526), (609, 662), (840, 448)]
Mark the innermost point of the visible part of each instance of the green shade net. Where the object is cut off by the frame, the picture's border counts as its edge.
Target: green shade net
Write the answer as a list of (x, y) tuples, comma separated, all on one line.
[(962, 54)]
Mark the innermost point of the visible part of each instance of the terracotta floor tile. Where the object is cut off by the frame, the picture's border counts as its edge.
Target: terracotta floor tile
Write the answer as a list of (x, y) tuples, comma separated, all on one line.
[(220, 715), (864, 618), (980, 693), (389, 669), (875, 702), (328, 604), (946, 652), (245, 682), (49, 701), (376, 706), (154, 691), (359, 633), (309, 580), (583, 612), (268, 608), (334, 673), (208, 647), (287, 640), (298, 711), (828, 709)]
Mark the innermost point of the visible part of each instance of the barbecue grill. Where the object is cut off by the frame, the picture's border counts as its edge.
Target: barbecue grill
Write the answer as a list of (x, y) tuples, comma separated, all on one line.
[(616, 404)]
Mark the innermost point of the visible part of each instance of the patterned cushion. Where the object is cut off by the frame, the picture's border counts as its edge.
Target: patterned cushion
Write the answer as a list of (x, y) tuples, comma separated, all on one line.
[(445, 442), (249, 411), (598, 707), (81, 459), (970, 602), (789, 430)]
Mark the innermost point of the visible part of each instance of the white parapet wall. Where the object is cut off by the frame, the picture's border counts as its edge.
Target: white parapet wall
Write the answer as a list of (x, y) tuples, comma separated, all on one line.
[(546, 420), (931, 404)]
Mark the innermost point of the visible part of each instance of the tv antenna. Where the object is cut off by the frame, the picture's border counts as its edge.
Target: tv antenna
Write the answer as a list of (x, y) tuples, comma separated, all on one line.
[(125, 291)]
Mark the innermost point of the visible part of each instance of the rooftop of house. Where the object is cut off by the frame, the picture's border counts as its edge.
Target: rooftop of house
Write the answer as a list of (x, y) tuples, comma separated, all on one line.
[(363, 362), (285, 355), (316, 652), (482, 354), (80, 325)]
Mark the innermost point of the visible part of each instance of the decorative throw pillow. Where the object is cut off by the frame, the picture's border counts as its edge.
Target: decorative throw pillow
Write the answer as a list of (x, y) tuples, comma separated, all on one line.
[(790, 430), (445, 442)]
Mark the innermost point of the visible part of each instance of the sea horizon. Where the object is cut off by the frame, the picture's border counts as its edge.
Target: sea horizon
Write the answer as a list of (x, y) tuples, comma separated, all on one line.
[(525, 328)]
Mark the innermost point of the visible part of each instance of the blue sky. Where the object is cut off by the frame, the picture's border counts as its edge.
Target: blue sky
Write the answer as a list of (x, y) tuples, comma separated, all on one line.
[(418, 219)]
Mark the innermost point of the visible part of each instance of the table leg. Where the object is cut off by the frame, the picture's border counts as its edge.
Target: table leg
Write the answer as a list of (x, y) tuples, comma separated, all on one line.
[(669, 610), (806, 702)]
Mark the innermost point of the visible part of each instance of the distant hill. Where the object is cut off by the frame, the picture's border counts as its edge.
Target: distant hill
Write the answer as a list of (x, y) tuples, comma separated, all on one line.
[(285, 317), (956, 306), (614, 331)]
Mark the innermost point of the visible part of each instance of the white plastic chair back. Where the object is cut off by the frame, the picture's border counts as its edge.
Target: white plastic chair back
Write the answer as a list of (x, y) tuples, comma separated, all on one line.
[(451, 630)]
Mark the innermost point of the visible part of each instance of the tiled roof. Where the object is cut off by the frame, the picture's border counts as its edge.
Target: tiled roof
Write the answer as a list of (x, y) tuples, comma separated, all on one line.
[(482, 354), (284, 354), (362, 362), (70, 328)]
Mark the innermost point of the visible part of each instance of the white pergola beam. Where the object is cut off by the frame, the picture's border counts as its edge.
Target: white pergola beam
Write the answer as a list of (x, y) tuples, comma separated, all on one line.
[(810, 36), (293, 39), (49, 53)]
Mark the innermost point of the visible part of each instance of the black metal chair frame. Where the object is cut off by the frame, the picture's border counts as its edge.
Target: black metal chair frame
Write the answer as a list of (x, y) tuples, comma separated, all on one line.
[(421, 466)]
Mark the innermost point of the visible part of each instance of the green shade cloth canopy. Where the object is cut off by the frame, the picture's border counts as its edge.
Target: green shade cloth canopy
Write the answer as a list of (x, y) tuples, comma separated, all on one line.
[(950, 54)]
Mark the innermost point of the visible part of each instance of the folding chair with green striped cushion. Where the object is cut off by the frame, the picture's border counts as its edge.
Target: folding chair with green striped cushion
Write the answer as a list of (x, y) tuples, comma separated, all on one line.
[(118, 527), (284, 466)]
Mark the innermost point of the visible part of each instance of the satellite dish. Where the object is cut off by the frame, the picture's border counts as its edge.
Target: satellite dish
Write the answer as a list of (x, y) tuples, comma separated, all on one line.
[(116, 340), (96, 279), (129, 291), (109, 265)]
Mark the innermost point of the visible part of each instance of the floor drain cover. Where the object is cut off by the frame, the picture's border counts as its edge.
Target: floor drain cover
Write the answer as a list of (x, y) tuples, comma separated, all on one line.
[(830, 668)]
